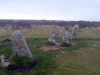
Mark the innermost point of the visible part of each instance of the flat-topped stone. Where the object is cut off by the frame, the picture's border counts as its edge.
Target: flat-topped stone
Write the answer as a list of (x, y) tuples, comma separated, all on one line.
[(59, 31), (19, 45)]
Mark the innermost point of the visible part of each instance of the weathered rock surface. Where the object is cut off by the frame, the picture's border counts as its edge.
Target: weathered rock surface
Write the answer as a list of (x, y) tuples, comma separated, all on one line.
[(59, 31), (75, 31), (4, 61), (19, 45)]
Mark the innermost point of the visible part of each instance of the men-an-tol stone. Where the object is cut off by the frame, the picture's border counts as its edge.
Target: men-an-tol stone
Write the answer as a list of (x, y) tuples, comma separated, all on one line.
[(59, 31), (75, 31), (19, 45)]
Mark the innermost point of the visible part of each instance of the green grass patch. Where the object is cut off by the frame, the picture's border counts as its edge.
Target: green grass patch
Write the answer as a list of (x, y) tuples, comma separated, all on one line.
[(47, 43), (20, 61), (63, 44)]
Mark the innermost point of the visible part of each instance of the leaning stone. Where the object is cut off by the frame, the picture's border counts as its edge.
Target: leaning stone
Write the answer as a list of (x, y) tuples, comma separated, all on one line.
[(19, 45), (75, 31), (59, 31)]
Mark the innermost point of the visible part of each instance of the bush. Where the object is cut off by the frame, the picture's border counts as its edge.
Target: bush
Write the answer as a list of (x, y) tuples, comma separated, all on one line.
[(63, 44)]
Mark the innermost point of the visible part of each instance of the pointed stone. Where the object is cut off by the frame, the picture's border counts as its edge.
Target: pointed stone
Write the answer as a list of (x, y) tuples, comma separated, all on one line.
[(19, 45)]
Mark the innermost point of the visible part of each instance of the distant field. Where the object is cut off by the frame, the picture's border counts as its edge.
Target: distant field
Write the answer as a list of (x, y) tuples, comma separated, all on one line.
[(44, 31), (81, 59), (34, 32)]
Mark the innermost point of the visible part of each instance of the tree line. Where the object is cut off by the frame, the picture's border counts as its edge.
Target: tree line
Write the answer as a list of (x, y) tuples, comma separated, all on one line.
[(29, 23)]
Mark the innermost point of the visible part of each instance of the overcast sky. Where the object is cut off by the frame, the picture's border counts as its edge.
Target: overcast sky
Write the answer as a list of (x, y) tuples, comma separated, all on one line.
[(87, 10)]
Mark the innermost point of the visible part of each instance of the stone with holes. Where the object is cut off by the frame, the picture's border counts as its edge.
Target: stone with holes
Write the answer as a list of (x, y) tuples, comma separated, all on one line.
[(19, 45), (59, 31), (75, 31)]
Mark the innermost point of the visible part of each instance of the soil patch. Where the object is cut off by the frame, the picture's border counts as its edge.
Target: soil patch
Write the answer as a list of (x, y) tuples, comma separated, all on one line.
[(73, 43), (6, 40), (31, 65), (47, 47)]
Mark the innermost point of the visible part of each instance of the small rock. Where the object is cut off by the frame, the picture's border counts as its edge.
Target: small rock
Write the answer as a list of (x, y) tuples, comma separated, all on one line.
[(4, 61), (91, 48), (56, 55), (63, 52)]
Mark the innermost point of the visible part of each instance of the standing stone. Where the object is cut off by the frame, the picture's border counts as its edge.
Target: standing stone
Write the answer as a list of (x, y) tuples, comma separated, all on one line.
[(59, 31), (75, 31), (19, 45)]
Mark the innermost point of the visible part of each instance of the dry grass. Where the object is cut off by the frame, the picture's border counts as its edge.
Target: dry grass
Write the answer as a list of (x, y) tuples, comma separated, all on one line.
[(44, 31)]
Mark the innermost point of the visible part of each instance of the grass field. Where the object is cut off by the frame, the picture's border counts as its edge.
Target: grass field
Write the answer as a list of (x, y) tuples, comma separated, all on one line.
[(81, 59)]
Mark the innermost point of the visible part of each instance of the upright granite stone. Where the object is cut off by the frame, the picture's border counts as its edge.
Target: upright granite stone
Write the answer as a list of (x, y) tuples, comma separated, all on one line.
[(59, 31), (19, 45), (75, 31)]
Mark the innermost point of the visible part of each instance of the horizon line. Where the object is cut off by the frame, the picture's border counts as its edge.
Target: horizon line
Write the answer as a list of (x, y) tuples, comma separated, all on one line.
[(51, 19)]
